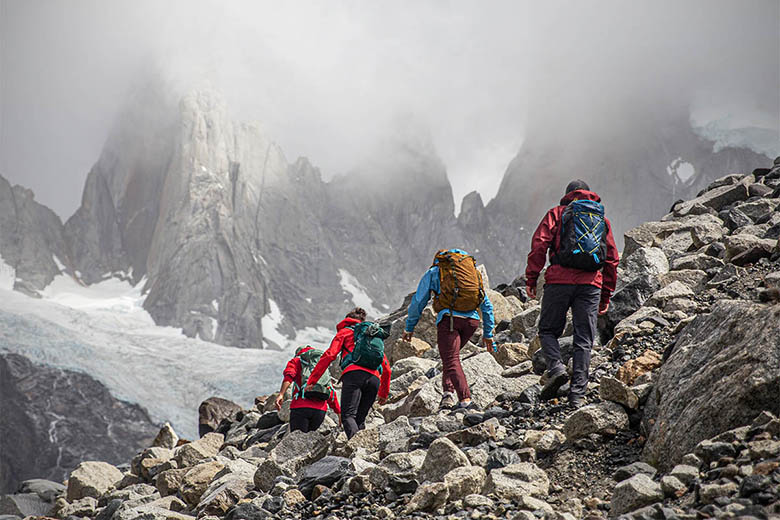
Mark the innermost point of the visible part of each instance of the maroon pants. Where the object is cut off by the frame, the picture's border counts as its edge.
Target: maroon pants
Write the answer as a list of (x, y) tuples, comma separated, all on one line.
[(450, 341)]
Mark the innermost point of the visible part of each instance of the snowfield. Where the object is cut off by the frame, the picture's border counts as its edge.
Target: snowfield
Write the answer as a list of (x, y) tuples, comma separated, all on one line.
[(103, 331)]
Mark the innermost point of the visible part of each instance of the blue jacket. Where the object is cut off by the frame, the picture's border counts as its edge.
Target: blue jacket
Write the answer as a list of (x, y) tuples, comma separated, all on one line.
[(430, 282)]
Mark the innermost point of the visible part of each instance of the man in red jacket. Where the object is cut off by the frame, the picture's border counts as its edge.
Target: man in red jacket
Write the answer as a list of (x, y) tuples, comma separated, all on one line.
[(359, 385), (586, 293), (306, 415)]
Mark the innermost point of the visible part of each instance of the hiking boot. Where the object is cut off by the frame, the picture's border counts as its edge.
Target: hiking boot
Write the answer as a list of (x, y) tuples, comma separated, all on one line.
[(448, 400), (554, 383), (471, 405), (576, 402)]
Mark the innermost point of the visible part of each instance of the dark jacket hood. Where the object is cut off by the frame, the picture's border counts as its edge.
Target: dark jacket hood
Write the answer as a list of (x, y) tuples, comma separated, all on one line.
[(579, 195)]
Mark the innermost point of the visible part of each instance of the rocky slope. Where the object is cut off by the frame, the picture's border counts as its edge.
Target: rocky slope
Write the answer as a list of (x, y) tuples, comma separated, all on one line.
[(54, 418), (224, 231), (681, 420)]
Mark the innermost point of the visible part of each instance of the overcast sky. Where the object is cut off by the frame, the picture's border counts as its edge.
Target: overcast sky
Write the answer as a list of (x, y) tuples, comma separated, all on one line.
[(326, 79)]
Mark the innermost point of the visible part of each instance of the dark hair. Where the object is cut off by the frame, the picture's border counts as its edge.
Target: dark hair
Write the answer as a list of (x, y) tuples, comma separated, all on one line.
[(577, 185), (357, 313)]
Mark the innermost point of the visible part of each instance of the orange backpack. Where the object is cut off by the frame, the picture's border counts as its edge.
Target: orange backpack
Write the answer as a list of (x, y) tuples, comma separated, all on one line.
[(459, 281)]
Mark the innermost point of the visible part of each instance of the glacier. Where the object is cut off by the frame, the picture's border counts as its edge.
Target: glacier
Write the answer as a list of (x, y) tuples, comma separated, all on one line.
[(103, 330)]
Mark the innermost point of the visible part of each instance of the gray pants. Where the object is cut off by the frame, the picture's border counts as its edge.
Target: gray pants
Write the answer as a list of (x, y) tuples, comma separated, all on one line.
[(584, 303)]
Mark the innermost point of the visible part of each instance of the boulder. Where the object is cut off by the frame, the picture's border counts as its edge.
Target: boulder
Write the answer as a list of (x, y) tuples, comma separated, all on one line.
[(628, 299), (294, 451), (46, 489), (411, 364), (442, 457), (502, 309), (759, 210), (516, 480), (633, 493), (738, 244), (633, 368), (403, 385), (698, 261), (212, 411), (723, 371), (465, 480), (672, 487), (636, 468), (428, 497), (694, 279), (544, 441), (666, 294), (716, 198), (169, 481), (394, 436), (325, 472), (525, 322), (203, 448), (645, 261), (91, 479), (685, 473), (26, 504), (197, 480), (166, 437), (612, 389), (406, 349), (511, 354), (224, 492), (603, 418)]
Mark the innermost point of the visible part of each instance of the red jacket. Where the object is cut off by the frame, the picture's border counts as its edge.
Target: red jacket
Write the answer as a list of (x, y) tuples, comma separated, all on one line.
[(548, 238), (292, 373), (343, 343)]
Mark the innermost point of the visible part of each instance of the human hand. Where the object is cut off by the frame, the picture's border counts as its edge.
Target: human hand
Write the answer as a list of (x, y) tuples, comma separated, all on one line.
[(279, 400), (407, 336), (603, 306), (530, 290), (489, 344), (382, 401)]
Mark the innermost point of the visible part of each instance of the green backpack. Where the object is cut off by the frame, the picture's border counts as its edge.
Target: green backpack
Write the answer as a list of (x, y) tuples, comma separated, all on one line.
[(369, 348), (322, 389)]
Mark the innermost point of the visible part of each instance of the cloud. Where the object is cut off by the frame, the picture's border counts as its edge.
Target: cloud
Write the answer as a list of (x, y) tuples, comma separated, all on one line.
[(326, 79)]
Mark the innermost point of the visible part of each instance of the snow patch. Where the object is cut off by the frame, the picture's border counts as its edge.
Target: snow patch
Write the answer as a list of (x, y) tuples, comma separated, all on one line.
[(360, 297), (7, 275), (271, 323)]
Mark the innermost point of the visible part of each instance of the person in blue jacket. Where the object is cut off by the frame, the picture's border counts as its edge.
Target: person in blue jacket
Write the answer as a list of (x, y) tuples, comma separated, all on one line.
[(453, 330)]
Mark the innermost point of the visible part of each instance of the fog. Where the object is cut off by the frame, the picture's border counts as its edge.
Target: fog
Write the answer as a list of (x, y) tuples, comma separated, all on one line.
[(329, 79)]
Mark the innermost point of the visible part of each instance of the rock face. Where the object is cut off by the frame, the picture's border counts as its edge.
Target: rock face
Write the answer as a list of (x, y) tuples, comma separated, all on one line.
[(53, 419), (31, 239), (225, 231), (724, 370)]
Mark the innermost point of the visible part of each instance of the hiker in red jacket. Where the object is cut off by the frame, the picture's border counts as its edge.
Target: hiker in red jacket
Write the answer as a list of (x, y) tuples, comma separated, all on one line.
[(585, 292), (360, 385), (306, 415)]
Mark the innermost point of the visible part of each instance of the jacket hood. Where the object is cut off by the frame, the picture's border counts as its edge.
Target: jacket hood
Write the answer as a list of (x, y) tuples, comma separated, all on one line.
[(579, 195), (347, 322)]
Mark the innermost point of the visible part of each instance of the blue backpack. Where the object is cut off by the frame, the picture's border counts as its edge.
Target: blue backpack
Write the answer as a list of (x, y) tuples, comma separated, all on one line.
[(583, 236)]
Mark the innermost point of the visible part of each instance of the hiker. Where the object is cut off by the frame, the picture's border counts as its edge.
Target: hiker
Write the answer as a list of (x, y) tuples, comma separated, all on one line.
[(458, 293), (366, 371), (308, 408), (581, 277)]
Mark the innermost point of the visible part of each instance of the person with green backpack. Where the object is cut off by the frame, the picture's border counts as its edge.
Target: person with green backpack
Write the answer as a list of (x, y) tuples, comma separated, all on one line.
[(308, 407), (366, 370)]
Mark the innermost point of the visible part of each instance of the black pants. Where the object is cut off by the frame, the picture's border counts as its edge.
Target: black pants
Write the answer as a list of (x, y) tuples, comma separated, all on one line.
[(358, 393), (306, 419), (584, 303)]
